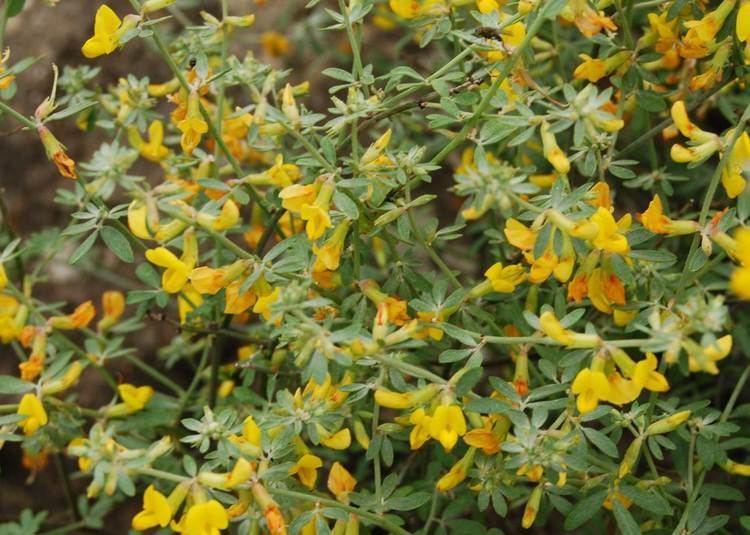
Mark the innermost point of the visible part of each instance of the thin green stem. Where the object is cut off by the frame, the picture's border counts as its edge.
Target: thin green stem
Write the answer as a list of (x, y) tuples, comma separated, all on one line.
[(218, 236), (17, 116), (154, 374), (196, 379), (354, 44), (494, 88), (417, 231), (312, 151)]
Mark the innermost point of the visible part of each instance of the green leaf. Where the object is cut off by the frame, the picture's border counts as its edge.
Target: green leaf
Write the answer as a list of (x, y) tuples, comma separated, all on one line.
[(625, 521), (585, 510), (410, 502), (87, 244), (14, 7), (697, 261), (13, 385), (601, 441), (468, 380), (346, 205), (648, 500), (117, 243), (72, 110), (338, 74)]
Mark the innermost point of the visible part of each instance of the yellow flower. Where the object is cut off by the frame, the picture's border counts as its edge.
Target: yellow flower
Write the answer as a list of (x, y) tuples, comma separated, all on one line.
[(543, 266), (608, 236), (552, 152), (505, 279), (488, 6), (192, 129), (207, 518), (251, 431), (484, 439), (294, 197), (420, 433), (176, 274), (338, 441), (586, 18), (317, 218), (156, 511), (739, 282), (113, 305), (605, 289), (686, 126), (263, 304), (306, 469), (701, 33), (409, 9), (31, 407), (192, 126), (240, 474), (447, 424), (590, 387), (457, 473), (135, 397), (621, 390), (519, 235), (328, 256), (551, 326), (705, 358), (731, 176), (646, 376), (79, 318), (138, 220), (178, 270), (393, 400), (6, 79), (654, 220), (154, 150), (274, 44), (743, 21), (106, 37), (340, 482), (592, 69), (228, 217)]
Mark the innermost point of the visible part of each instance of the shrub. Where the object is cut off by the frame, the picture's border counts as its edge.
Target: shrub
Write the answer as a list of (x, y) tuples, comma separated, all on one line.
[(486, 271)]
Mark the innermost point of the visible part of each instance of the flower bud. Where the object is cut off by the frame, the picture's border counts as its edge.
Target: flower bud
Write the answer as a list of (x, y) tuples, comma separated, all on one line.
[(374, 151), (289, 106), (630, 457), (668, 424), (56, 152), (532, 506)]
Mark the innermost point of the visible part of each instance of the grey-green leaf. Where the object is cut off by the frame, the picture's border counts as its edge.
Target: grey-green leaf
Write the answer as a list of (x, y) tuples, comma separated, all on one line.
[(117, 243)]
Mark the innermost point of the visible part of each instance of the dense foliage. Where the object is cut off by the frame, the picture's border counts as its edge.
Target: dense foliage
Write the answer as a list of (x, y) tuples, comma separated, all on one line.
[(494, 280)]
